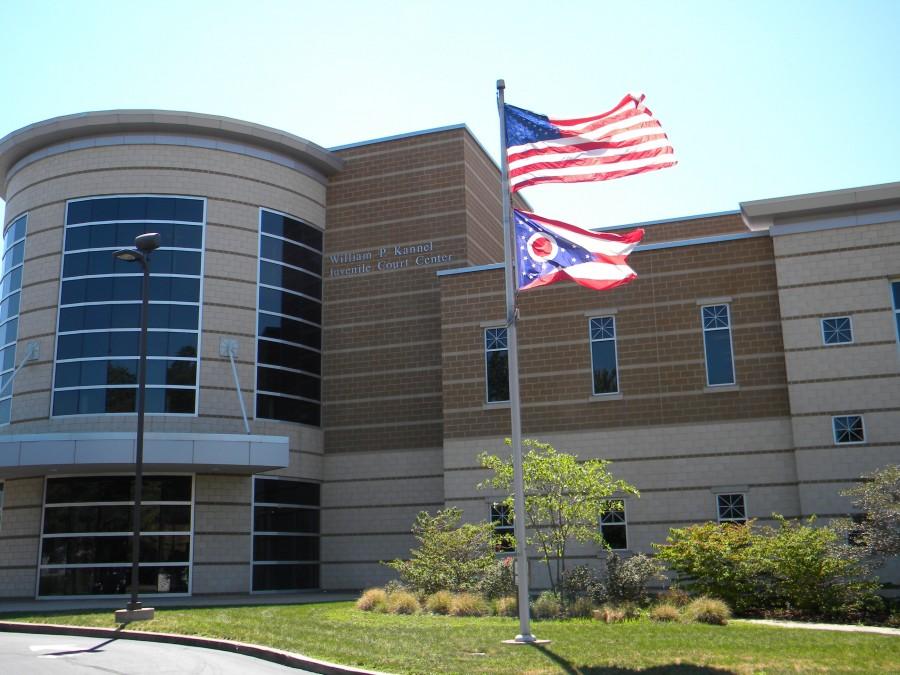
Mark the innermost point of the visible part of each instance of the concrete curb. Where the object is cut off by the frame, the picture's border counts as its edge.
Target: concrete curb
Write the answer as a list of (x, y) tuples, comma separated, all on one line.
[(843, 628), (279, 656)]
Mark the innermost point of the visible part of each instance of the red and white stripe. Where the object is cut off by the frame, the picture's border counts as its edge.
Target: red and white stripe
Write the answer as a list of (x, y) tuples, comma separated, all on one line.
[(624, 141), (607, 270)]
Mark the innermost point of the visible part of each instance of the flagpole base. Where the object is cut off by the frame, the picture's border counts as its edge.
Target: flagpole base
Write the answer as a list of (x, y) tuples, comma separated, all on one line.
[(526, 640)]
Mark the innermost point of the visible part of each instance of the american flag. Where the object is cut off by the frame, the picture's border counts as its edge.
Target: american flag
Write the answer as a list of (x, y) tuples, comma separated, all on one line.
[(551, 250), (620, 142)]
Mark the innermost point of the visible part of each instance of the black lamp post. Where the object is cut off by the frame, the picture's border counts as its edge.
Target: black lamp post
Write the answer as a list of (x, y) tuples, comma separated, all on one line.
[(144, 245)]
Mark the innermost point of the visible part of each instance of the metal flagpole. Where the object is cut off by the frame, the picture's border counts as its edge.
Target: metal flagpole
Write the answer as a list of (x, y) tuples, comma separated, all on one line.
[(524, 636)]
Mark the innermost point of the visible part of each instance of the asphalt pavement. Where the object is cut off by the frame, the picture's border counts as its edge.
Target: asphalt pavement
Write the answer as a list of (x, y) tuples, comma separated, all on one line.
[(34, 654)]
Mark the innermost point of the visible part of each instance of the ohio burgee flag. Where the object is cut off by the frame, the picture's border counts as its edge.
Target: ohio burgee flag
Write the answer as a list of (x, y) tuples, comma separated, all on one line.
[(551, 250)]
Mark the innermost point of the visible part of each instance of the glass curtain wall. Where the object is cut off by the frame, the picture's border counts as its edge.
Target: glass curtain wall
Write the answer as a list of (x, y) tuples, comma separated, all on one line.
[(86, 536), (10, 294), (289, 331), (98, 345)]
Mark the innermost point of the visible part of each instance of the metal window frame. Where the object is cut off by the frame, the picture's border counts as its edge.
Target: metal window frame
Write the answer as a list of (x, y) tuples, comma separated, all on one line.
[(720, 519), (199, 304), (256, 363), (189, 564), (834, 429), (727, 307), (486, 351), (3, 275), (254, 532), (502, 530), (836, 318), (615, 340), (624, 522)]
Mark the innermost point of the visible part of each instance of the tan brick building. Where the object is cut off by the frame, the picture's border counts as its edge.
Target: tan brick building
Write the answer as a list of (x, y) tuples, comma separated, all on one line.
[(753, 367)]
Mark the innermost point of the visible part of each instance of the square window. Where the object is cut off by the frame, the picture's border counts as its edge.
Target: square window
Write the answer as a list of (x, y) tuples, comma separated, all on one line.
[(848, 429), (837, 330), (504, 531), (614, 526), (731, 508)]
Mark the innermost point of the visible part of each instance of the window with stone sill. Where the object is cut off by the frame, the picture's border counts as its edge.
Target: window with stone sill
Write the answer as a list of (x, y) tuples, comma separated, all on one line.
[(731, 508)]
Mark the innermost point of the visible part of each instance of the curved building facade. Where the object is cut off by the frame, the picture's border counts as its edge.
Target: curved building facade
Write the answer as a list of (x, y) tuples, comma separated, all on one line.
[(241, 213)]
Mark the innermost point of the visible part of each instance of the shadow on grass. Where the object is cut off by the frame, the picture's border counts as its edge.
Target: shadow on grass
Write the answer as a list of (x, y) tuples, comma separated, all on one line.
[(668, 669)]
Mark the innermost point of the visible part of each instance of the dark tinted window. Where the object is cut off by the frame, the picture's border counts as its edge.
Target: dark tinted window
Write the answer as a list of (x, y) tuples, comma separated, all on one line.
[(117, 489), (271, 300), (273, 547), (285, 577), (287, 382), (298, 256), (116, 519), (289, 228), (289, 356), (135, 208), (112, 580), (290, 279), (275, 491), (287, 409), (281, 328), (279, 519)]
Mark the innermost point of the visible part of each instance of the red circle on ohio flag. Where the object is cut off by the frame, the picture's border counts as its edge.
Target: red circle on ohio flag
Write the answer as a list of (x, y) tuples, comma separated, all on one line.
[(541, 247)]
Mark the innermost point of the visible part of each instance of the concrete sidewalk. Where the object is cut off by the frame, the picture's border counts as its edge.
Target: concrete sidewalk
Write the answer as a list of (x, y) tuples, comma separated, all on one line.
[(19, 605)]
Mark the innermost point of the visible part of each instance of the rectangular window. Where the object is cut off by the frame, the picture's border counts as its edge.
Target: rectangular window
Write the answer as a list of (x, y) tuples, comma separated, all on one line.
[(604, 363), (1, 506), (98, 327), (717, 345), (848, 429), (501, 519), (289, 331), (613, 525), (86, 536), (285, 534), (837, 330), (895, 297), (10, 293), (496, 364), (731, 508)]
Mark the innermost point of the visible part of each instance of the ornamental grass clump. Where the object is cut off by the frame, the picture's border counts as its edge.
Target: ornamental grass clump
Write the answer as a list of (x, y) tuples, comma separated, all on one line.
[(665, 613), (674, 596), (708, 610), (582, 608), (439, 603), (507, 606), (609, 614), (469, 604), (372, 600), (402, 602)]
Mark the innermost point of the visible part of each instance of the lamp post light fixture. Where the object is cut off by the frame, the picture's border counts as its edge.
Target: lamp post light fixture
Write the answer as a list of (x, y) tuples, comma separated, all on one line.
[(145, 244)]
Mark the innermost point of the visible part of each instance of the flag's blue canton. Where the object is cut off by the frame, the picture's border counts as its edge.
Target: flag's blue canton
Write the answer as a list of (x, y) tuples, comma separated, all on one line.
[(524, 126), (530, 269)]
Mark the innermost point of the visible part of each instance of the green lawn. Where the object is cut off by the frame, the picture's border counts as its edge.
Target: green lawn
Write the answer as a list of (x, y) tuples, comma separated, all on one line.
[(436, 644)]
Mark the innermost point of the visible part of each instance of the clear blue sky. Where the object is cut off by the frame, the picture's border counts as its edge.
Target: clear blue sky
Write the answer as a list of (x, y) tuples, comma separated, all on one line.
[(760, 99)]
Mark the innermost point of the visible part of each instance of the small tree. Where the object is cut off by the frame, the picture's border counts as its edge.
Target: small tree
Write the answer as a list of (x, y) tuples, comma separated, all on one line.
[(877, 531), (450, 556), (564, 498)]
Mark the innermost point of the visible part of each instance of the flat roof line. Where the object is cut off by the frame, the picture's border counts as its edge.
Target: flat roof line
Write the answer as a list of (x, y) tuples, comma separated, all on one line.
[(678, 219), (396, 137)]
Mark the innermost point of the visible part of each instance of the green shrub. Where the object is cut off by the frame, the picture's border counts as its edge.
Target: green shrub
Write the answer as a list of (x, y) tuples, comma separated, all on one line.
[(402, 602), (582, 608), (450, 556), (469, 604), (674, 596), (627, 580), (665, 612), (582, 581), (547, 606), (439, 603), (372, 600), (708, 610), (507, 606), (499, 579), (794, 567)]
